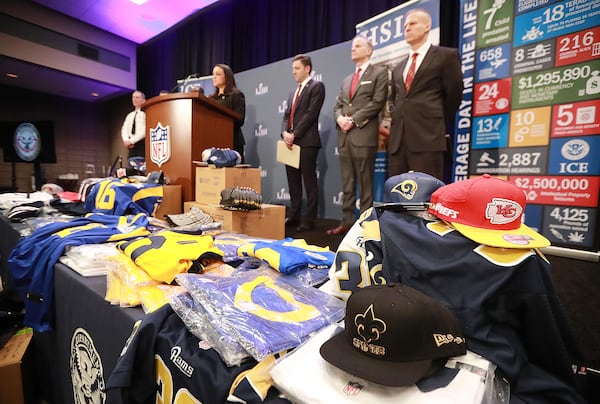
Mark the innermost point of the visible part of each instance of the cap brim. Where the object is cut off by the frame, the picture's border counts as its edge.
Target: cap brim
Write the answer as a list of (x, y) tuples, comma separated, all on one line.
[(339, 353), (523, 237), (402, 206)]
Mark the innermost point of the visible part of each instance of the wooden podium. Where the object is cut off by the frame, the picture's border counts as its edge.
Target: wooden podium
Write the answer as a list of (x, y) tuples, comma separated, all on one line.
[(195, 122)]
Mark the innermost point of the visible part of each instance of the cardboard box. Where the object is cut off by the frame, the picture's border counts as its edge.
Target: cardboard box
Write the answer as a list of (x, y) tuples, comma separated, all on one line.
[(171, 203), (210, 181), (16, 371), (267, 222)]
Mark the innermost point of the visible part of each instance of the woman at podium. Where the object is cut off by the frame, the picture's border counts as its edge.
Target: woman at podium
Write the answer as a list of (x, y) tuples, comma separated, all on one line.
[(227, 93)]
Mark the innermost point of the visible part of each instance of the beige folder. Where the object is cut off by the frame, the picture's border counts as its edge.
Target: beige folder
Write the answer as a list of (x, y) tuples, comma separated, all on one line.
[(290, 157)]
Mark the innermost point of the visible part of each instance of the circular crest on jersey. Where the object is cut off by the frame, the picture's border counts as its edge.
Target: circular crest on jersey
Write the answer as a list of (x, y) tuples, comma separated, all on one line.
[(87, 375), (27, 141)]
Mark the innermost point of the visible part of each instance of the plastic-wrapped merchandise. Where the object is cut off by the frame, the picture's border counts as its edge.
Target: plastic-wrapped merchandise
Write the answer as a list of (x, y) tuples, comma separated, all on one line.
[(263, 310), (200, 323), (124, 280), (89, 259)]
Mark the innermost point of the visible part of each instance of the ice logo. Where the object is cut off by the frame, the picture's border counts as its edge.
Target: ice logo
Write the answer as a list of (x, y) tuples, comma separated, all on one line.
[(575, 149)]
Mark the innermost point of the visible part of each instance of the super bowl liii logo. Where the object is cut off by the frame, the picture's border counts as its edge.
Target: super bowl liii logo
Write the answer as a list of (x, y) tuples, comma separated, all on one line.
[(339, 199), (260, 131), (282, 107), (261, 89), (316, 76), (283, 195)]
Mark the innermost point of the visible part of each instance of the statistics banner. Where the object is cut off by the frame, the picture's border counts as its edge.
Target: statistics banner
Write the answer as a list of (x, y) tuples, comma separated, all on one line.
[(531, 109)]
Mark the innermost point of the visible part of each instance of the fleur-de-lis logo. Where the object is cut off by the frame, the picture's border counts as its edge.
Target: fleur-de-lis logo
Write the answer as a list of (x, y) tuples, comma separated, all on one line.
[(406, 189), (368, 326)]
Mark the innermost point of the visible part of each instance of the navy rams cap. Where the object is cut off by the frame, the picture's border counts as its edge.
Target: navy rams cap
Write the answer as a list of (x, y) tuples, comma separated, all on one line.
[(411, 188), (394, 335), (221, 157)]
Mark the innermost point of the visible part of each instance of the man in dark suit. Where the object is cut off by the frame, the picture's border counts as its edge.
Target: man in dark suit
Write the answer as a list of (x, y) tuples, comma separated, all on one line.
[(427, 88), (356, 111), (301, 126)]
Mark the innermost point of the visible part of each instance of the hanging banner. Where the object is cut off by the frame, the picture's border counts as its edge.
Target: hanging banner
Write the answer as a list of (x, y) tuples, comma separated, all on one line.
[(531, 109)]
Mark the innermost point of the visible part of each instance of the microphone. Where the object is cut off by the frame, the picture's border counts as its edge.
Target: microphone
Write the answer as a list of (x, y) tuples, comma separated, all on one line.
[(189, 77)]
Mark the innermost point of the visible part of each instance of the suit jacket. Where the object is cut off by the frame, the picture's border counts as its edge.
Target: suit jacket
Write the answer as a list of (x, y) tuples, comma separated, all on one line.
[(306, 114), (420, 118), (236, 101), (364, 107)]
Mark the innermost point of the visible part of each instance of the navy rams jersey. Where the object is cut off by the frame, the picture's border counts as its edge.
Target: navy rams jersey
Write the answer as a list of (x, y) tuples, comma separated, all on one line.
[(33, 258), (164, 363), (120, 197), (503, 297)]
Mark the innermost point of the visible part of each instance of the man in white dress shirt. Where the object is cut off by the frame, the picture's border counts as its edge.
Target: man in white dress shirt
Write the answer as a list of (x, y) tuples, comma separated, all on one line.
[(133, 131)]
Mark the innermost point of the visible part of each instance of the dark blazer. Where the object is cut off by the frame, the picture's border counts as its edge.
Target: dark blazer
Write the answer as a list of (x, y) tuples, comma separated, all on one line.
[(306, 115), (235, 101), (420, 118), (364, 107)]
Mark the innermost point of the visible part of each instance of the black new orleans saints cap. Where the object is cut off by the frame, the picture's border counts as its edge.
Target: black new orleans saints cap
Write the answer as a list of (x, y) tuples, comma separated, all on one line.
[(394, 335)]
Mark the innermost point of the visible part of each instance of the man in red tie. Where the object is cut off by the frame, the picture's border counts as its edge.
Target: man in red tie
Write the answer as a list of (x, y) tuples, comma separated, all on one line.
[(427, 88), (300, 126), (362, 97)]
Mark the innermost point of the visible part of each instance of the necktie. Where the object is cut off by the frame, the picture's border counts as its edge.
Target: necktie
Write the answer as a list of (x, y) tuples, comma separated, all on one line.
[(411, 72), (291, 119), (133, 124), (354, 82)]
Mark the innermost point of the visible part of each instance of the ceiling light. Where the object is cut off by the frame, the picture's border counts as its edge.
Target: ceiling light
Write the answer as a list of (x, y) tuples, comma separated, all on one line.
[(12, 75), (138, 2), (95, 95)]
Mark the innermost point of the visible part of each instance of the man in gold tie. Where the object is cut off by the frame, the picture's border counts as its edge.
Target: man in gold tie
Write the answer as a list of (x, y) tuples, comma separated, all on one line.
[(427, 89)]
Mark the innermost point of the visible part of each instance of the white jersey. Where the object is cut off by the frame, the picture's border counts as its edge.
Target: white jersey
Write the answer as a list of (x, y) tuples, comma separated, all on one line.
[(305, 377)]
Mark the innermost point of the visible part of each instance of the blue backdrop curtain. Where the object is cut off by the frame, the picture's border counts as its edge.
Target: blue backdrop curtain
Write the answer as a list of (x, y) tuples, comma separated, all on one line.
[(249, 33)]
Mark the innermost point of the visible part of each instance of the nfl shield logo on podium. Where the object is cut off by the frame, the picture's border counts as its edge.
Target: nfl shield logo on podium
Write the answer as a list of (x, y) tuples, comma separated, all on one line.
[(160, 144)]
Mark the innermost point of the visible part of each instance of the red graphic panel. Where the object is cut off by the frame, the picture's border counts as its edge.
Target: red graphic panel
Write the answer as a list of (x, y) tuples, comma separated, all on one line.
[(576, 119), (559, 190), (578, 47), (492, 97)]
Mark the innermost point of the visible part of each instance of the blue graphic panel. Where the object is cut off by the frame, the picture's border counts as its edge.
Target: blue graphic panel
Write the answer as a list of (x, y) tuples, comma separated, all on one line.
[(493, 63), (574, 156)]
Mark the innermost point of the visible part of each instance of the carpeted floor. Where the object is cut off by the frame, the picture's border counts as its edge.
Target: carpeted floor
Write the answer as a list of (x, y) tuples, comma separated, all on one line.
[(576, 282)]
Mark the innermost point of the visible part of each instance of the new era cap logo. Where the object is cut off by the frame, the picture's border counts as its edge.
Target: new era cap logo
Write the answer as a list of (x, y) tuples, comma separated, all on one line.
[(502, 211)]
